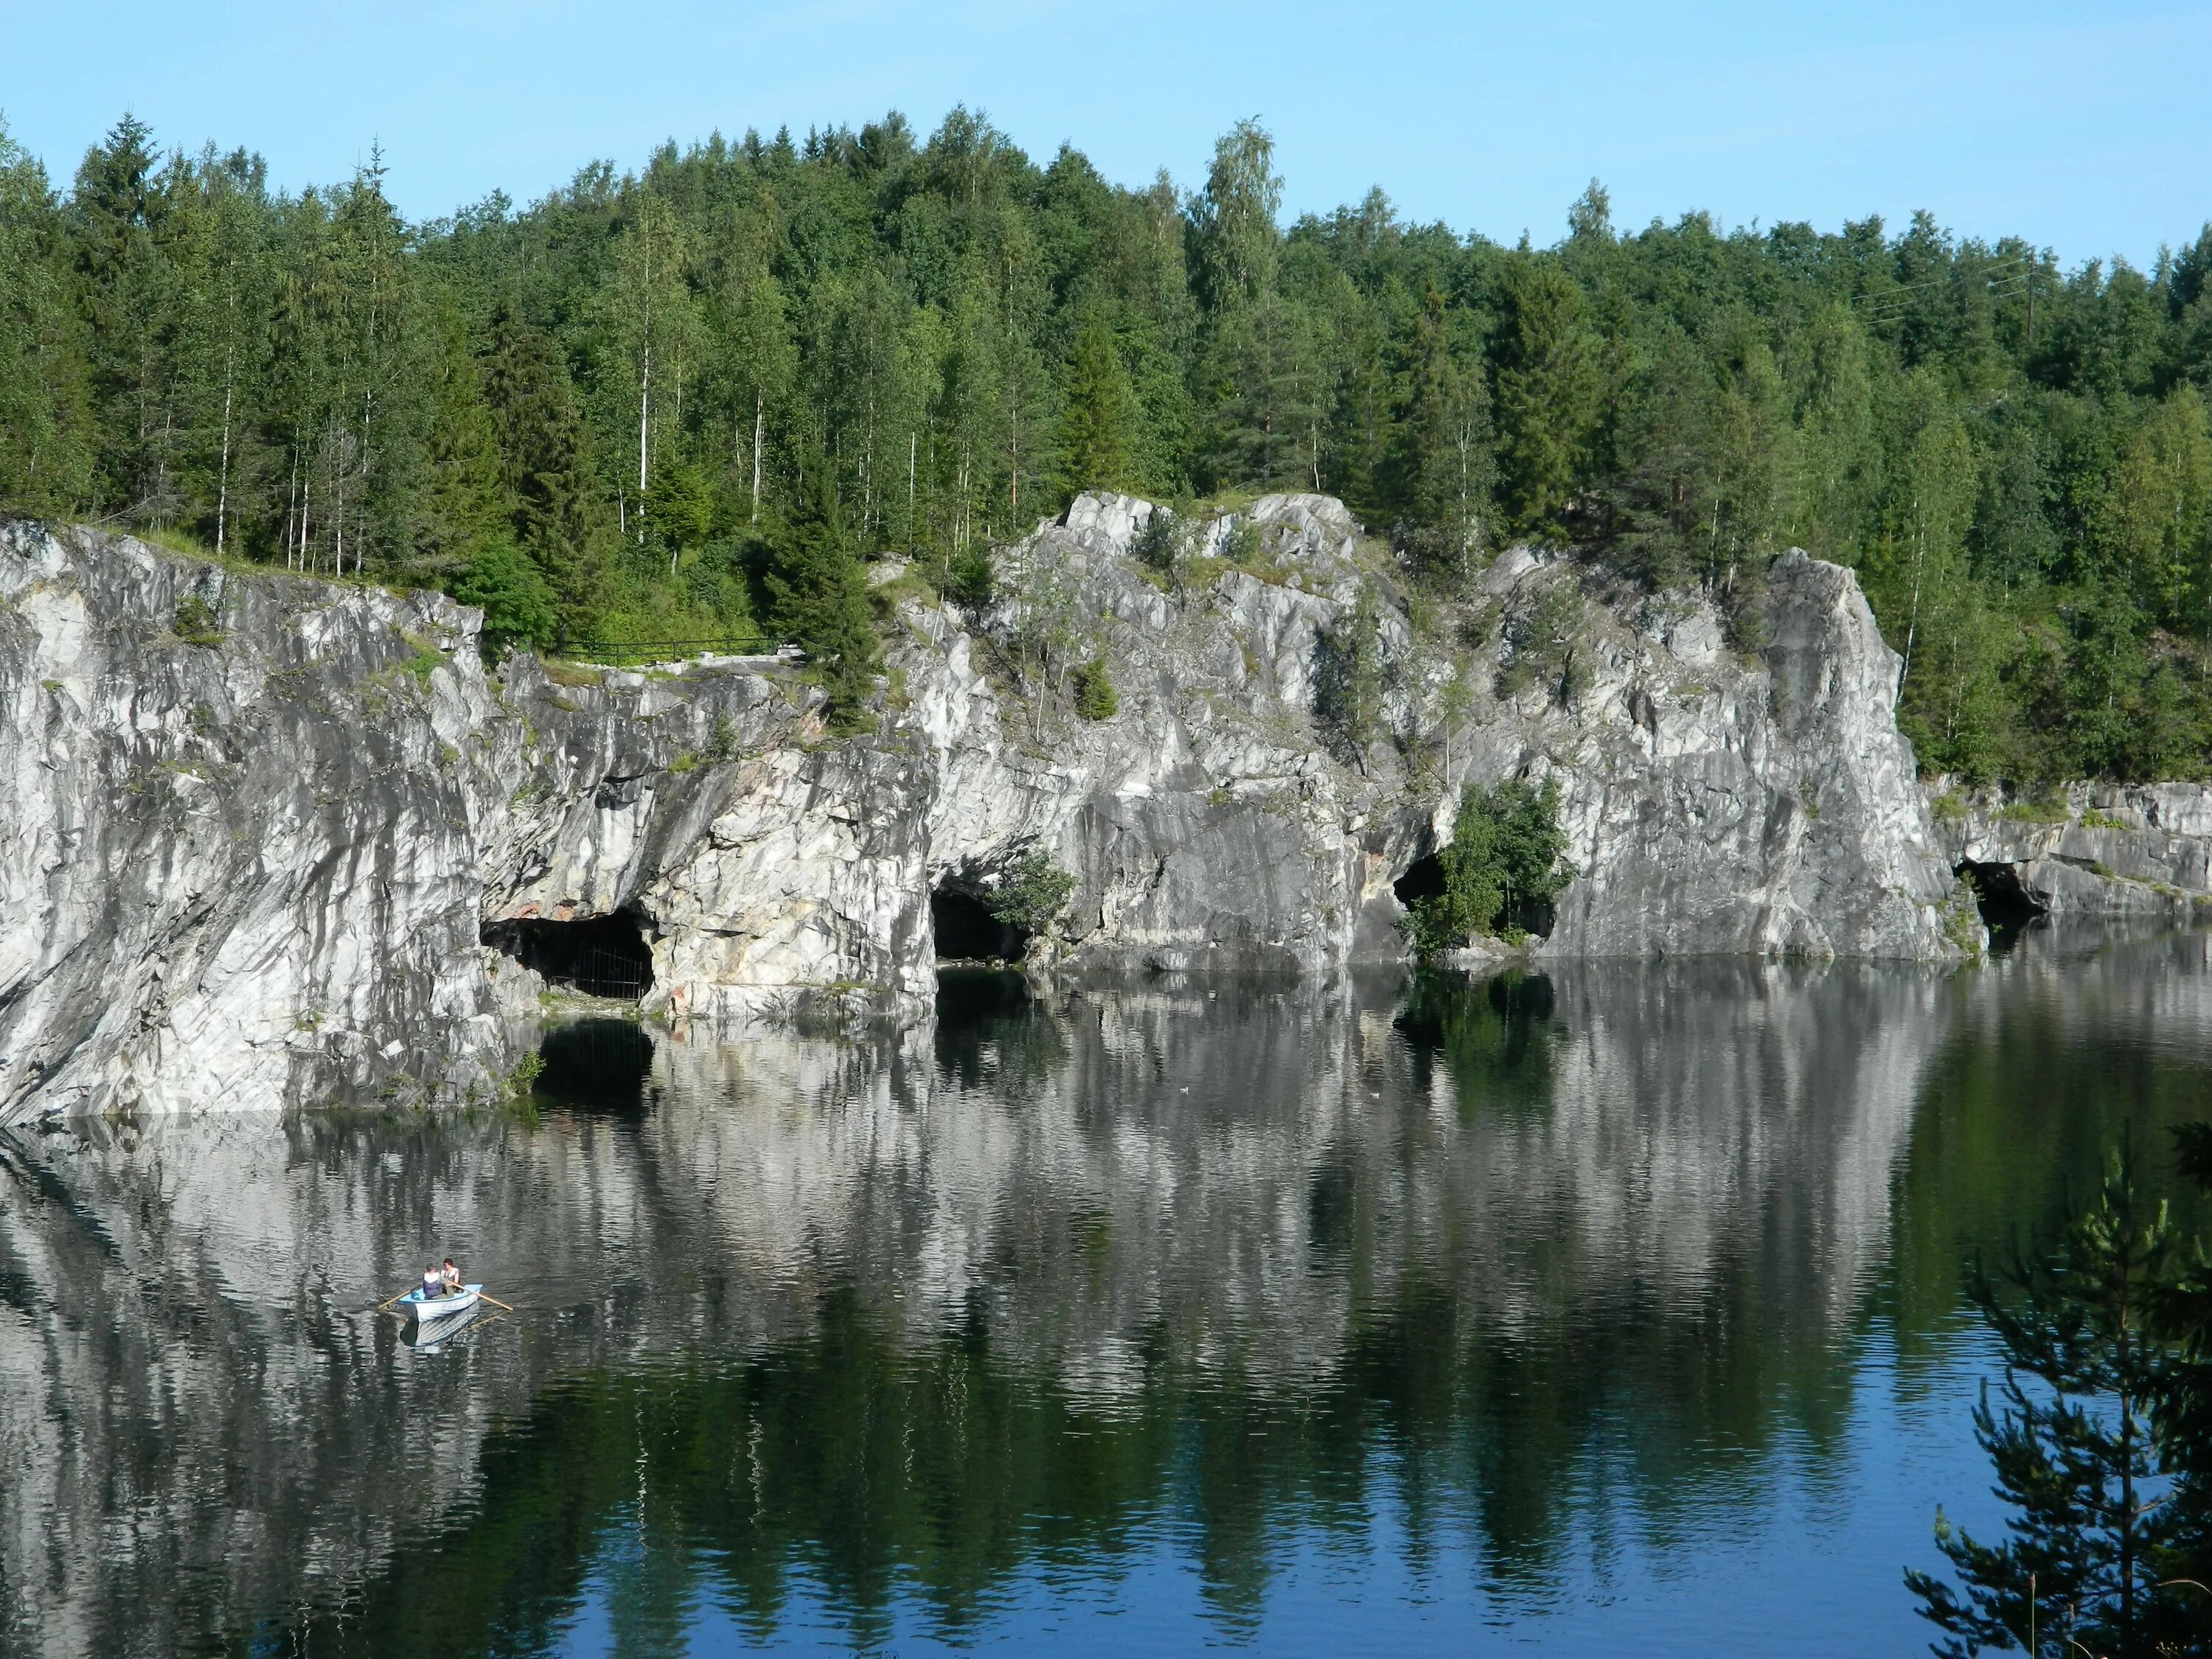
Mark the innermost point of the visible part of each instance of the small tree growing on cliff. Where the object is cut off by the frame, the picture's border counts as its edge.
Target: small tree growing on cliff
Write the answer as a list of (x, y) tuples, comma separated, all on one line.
[(1505, 855), (1031, 893), (1350, 679)]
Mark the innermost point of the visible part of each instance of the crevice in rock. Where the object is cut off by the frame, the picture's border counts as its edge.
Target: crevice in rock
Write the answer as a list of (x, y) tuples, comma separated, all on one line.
[(966, 930), (598, 955)]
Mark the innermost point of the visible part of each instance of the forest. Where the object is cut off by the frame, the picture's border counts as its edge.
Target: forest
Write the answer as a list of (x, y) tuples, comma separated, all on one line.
[(691, 401)]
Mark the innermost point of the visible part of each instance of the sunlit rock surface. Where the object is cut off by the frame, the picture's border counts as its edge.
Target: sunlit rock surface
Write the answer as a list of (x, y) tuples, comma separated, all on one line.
[(2090, 850), (259, 825)]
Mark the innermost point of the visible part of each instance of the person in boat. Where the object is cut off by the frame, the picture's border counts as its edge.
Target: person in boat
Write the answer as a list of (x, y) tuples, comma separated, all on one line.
[(433, 1284), (449, 1277)]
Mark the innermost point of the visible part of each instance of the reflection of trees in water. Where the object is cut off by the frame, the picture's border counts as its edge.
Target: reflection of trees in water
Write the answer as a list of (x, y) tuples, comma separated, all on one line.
[(1523, 1263)]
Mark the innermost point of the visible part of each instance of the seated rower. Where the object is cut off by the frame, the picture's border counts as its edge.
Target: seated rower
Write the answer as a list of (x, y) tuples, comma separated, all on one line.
[(449, 1277)]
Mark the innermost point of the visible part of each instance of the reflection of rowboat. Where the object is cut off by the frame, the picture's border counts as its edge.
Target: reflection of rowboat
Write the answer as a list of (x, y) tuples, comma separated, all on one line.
[(437, 1310)]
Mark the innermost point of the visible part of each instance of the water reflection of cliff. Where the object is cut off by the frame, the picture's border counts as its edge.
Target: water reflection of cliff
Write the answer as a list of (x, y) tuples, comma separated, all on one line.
[(944, 1306)]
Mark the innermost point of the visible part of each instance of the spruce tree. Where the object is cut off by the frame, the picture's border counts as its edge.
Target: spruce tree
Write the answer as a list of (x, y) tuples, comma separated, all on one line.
[(1547, 394), (465, 502), (819, 597), (542, 455), (1098, 419)]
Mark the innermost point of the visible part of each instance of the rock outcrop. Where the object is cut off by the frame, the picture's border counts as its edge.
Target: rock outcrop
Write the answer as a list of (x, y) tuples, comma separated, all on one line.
[(2090, 850), (272, 840)]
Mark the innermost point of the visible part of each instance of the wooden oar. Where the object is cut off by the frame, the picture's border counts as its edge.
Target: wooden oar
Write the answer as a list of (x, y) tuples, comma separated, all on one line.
[(494, 1300), (389, 1300)]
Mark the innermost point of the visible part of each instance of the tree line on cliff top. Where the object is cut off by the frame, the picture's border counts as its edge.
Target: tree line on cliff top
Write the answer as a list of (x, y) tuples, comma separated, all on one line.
[(688, 401)]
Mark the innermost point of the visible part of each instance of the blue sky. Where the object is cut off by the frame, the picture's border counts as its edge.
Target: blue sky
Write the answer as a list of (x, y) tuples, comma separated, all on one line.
[(2088, 128)]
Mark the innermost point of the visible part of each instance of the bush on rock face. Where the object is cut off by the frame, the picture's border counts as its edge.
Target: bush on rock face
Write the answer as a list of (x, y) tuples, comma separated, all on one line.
[(1031, 894), (1095, 696), (1504, 856)]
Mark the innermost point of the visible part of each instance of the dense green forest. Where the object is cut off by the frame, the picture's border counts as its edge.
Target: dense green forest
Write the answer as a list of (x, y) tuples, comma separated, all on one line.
[(686, 402)]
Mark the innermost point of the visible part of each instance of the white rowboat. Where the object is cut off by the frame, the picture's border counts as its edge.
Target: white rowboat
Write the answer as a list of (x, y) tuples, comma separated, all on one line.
[(436, 1309)]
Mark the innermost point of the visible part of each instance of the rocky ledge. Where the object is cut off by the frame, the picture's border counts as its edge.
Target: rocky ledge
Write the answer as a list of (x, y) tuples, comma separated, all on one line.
[(271, 841), (2140, 851)]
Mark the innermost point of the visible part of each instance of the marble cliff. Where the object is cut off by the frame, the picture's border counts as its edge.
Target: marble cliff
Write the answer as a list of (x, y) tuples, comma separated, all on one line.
[(269, 839)]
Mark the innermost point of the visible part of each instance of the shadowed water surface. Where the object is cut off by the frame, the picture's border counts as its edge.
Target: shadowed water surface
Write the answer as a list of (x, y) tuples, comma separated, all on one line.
[(1612, 1309)]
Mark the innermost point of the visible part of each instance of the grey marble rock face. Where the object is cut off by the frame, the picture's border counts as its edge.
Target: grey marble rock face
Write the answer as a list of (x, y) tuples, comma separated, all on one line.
[(270, 840), (2090, 850)]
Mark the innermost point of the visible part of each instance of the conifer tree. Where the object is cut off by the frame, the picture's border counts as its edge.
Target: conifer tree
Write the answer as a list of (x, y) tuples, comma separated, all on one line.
[(1547, 393), (466, 502), (1099, 414), (542, 458), (45, 444), (2076, 1452), (819, 596)]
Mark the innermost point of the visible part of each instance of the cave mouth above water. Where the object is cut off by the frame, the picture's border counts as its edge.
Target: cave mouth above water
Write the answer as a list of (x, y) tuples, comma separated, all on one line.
[(967, 931), (599, 956), (1425, 880), (2008, 907)]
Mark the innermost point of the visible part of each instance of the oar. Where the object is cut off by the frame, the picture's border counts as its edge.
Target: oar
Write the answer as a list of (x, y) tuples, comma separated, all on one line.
[(494, 1300), (389, 1300)]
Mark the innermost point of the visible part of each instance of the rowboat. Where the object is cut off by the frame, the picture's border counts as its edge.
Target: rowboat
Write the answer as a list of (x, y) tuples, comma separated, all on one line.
[(436, 1309)]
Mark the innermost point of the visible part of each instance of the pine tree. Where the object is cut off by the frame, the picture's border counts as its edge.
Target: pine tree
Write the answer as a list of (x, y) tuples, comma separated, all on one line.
[(2075, 1456), (819, 596)]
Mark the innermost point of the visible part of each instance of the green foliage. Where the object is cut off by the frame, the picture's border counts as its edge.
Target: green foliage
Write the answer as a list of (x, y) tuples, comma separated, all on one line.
[(1243, 544), (1099, 414), (1095, 696), (1158, 542), (819, 597), (972, 582), (1504, 860), (2080, 1435), (1031, 894), (638, 379), (1350, 677), (195, 622), (519, 603), (1542, 642)]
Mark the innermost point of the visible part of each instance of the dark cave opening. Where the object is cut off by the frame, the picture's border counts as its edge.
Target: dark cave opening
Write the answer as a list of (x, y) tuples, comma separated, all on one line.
[(2006, 904), (598, 955), (967, 931), (1425, 880)]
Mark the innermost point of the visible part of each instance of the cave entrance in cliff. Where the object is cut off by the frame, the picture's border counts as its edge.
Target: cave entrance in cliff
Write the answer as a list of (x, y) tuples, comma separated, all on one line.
[(1425, 880), (2007, 906), (599, 956), (967, 931)]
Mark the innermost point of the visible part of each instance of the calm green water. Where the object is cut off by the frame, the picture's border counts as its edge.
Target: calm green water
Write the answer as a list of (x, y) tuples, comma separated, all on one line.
[(1612, 1310)]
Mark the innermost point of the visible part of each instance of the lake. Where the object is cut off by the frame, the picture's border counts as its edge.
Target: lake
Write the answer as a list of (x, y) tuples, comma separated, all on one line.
[(1613, 1308)]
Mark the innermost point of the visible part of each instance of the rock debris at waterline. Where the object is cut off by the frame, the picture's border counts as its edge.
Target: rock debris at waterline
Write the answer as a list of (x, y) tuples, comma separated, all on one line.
[(252, 859)]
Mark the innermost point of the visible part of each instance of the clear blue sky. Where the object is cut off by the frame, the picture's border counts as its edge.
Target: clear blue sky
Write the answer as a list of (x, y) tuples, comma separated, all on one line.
[(2087, 127)]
